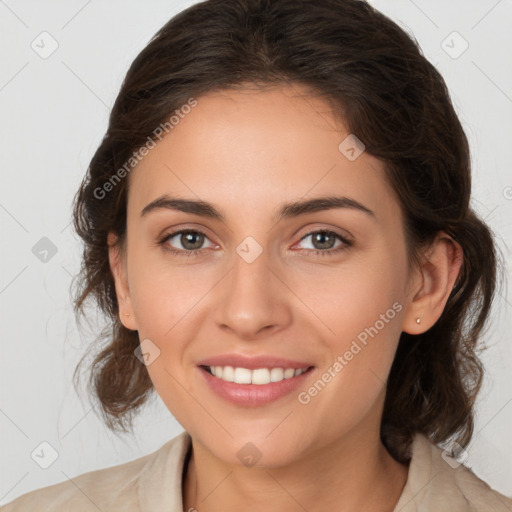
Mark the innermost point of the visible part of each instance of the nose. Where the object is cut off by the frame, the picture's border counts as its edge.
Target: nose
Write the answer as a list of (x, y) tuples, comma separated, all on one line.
[(254, 299)]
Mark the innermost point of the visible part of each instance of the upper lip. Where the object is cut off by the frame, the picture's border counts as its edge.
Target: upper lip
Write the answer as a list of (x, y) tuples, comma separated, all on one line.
[(252, 362)]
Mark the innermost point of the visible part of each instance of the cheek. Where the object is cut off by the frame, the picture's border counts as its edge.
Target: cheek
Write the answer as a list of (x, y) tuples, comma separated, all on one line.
[(360, 308), (167, 303), (164, 294), (165, 300), (355, 296)]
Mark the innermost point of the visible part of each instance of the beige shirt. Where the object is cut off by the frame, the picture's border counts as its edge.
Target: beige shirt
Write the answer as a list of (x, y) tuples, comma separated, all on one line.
[(153, 484)]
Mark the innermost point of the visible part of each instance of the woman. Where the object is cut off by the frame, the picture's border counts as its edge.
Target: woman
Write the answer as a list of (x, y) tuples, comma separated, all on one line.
[(278, 224)]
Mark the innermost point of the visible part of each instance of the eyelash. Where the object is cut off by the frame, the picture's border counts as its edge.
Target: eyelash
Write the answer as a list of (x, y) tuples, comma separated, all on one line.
[(179, 252)]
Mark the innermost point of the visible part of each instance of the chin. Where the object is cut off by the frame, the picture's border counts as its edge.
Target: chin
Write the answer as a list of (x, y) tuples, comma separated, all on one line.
[(256, 451)]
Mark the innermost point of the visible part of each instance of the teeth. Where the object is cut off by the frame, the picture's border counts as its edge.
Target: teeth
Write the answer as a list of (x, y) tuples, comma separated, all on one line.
[(259, 376), (228, 373), (276, 374), (289, 373), (242, 376)]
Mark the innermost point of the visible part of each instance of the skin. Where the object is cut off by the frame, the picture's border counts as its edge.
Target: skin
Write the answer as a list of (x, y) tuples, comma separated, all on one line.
[(248, 152)]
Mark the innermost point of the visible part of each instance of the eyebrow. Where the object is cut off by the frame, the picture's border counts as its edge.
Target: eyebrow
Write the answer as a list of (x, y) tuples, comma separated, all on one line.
[(288, 210)]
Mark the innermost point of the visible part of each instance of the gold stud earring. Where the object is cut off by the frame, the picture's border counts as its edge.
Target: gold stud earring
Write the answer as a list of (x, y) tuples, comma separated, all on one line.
[(418, 320)]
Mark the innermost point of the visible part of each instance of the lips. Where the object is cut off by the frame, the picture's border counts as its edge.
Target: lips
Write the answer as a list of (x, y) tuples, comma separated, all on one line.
[(253, 381)]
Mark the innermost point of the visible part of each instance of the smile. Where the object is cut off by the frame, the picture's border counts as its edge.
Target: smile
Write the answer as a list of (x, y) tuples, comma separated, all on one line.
[(254, 387)]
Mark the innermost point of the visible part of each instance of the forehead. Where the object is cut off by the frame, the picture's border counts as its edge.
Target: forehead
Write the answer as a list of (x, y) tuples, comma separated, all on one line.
[(253, 148)]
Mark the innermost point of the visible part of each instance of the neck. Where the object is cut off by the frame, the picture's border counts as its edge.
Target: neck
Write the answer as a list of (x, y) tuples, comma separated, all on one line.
[(355, 473)]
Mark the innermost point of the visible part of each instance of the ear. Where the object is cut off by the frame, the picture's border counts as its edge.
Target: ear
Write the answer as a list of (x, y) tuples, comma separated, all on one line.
[(117, 263), (434, 282)]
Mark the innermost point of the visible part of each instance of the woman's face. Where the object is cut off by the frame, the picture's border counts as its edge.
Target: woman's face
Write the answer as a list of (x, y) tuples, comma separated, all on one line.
[(322, 288)]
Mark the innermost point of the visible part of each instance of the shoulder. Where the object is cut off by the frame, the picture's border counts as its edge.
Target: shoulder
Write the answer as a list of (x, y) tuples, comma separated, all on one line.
[(125, 487), (440, 483)]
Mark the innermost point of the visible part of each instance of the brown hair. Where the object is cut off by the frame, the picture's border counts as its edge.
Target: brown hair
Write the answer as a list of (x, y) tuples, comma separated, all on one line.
[(392, 98)]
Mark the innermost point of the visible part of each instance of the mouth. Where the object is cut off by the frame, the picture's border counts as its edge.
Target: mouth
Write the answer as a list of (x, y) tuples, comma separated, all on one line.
[(254, 387)]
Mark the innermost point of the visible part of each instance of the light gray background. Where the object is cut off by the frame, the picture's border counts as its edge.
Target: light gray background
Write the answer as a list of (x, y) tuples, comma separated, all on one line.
[(53, 115)]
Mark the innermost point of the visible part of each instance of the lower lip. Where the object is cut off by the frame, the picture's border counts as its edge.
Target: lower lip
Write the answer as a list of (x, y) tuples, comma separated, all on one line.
[(253, 395)]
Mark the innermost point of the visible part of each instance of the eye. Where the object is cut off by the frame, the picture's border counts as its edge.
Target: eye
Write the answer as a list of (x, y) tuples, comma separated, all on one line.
[(191, 242), (323, 242)]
